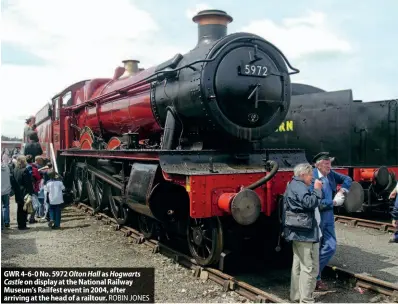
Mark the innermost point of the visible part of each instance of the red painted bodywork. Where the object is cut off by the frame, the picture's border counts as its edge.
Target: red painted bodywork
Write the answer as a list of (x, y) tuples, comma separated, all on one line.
[(132, 113), (205, 191), (121, 105), (366, 174), (113, 143), (45, 135)]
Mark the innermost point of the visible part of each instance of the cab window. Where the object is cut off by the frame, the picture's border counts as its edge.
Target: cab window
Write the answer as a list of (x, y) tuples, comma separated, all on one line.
[(67, 99), (56, 108)]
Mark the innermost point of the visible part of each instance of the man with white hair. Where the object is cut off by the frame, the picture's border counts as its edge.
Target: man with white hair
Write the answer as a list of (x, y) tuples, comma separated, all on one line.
[(301, 227), (330, 179)]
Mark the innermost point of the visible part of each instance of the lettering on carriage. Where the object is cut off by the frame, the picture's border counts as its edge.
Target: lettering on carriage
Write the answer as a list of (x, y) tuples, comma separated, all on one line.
[(286, 126)]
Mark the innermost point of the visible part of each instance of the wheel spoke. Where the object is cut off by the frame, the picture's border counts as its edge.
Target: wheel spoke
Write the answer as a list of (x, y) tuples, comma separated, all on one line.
[(205, 240)]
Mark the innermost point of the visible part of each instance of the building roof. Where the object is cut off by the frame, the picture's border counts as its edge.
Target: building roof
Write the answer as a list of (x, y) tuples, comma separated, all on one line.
[(10, 142)]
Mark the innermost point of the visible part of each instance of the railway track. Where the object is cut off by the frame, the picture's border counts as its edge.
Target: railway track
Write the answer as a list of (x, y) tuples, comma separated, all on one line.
[(364, 281), (229, 283), (352, 221)]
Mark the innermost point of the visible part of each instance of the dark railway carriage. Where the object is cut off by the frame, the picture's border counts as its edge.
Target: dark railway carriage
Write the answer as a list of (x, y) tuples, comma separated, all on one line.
[(172, 146), (363, 136)]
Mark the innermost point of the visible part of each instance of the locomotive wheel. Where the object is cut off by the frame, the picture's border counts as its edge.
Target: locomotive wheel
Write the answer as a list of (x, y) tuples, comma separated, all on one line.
[(101, 190), (79, 186), (95, 200), (122, 214), (205, 240), (147, 226)]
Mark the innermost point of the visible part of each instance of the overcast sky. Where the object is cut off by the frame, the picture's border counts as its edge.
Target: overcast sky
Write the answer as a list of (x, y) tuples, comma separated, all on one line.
[(49, 44)]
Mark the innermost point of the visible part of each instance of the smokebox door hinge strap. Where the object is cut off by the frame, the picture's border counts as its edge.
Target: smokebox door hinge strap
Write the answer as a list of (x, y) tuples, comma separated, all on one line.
[(255, 91), (255, 57)]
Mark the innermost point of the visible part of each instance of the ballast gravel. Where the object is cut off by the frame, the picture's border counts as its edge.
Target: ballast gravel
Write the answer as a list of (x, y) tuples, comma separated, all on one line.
[(85, 242), (366, 251)]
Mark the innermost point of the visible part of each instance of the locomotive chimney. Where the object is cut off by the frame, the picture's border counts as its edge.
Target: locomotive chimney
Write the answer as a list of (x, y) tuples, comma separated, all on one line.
[(130, 67), (212, 25)]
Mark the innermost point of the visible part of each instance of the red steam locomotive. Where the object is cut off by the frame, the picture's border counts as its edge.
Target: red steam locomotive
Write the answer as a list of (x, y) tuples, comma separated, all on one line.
[(172, 145)]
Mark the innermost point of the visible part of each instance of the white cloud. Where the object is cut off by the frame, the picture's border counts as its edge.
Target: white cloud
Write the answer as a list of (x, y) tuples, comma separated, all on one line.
[(304, 38), (78, 40), (198, 7), (300, 36)]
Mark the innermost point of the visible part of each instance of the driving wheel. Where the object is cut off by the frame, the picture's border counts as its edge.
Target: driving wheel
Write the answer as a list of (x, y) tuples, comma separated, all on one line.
[(121, 213), (147, 226)]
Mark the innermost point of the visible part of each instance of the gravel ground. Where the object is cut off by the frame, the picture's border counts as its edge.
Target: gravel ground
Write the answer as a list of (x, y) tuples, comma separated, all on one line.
[(367, 251), (86, 242), (100, 246)]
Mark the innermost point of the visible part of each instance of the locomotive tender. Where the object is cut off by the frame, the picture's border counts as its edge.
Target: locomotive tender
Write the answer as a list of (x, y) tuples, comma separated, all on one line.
[(362, 136), (172, 146)]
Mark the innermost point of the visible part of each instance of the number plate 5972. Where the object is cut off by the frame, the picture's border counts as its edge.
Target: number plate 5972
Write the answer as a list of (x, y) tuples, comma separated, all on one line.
[(253, 70)]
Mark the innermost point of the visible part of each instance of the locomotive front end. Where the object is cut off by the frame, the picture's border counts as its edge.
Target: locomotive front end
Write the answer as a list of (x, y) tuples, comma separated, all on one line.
[(245, 86), (235, 86)]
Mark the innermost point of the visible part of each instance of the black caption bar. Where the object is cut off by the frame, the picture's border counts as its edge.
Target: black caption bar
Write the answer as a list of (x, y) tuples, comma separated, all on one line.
[(78, 285)]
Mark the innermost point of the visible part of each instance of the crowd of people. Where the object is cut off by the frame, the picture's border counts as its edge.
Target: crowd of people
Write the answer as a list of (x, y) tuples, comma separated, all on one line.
[(308, 221), (37, 189)]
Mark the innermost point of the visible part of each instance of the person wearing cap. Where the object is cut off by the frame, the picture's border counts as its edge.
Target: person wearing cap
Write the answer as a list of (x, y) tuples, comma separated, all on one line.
[(330, 179), (26, 129), (394, 214)]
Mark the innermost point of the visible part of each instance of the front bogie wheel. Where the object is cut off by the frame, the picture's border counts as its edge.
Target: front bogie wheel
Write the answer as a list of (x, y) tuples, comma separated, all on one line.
[(205, 240)]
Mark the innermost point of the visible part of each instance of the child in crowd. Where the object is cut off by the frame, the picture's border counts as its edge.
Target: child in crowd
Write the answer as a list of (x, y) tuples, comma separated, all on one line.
[(44, 172), (54, 189), (39, 161)]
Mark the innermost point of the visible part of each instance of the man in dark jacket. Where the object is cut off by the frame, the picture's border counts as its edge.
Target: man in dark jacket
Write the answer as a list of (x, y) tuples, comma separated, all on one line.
[(301, 226), (330, 179), (33, 147), (22, 185)]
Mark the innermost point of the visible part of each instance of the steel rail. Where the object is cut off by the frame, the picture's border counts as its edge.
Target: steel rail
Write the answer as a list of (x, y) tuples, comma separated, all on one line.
[(352, 221), (227, 282), (365, 281)]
